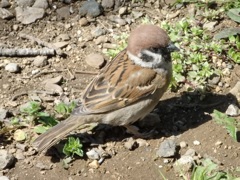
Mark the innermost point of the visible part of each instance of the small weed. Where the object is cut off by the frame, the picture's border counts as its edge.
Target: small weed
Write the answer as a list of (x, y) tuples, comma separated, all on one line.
[(122, 43), (209, 171), (65, 109), (228, 122), (73, 146)]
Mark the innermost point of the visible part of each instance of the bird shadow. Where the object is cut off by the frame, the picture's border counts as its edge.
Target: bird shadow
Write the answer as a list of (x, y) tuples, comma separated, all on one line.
[(177, 115)]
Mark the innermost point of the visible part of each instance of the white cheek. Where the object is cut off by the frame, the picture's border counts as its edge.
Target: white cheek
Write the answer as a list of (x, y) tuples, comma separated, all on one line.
[(157, 59)]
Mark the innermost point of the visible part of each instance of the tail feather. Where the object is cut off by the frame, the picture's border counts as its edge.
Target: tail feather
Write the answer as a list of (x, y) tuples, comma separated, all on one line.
[(56, 133)]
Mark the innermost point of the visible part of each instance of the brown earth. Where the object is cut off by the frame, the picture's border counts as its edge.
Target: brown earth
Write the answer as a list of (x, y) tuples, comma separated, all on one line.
[(183, 115)]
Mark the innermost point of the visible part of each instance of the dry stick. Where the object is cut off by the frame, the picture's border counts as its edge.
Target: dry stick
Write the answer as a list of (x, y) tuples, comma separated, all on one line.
[(86, 72), (37, 92), (41, 42), (47, 72), (26, 52)]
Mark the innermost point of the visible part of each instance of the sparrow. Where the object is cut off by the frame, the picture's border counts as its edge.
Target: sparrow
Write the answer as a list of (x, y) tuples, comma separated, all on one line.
[(125, 90)]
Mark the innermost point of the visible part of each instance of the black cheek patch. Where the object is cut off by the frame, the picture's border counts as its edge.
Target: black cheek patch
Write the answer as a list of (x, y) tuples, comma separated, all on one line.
[(146, 58)]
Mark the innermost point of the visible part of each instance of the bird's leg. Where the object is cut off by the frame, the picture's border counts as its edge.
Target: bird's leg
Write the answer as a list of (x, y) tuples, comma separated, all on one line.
[(135, 131)]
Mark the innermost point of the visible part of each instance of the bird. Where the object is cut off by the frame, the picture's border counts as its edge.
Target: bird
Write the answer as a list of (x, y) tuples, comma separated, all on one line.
[(126, 90)]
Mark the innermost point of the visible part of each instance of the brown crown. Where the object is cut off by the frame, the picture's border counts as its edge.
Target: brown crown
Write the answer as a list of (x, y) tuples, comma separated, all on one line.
[(145, 37)]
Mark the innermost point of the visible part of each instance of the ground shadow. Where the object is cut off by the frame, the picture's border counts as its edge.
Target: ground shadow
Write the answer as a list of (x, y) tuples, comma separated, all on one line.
[(177, 115)]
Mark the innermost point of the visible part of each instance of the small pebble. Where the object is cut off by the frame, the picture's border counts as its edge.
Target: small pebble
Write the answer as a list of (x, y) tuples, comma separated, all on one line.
[(165, 161), (218, 143), (196, 143), (12, 67), (95, 60), (190, 152), (94, 164), (4, 178), (40, 61), (92, 154), (183, 144), (131, 144), (83, 21), (232, 110)]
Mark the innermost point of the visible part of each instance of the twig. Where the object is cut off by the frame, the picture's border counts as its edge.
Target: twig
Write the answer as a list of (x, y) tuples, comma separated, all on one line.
[(41, 42), (71, 75), (47, 72), (86, 72), (30, 92), (26, 52)]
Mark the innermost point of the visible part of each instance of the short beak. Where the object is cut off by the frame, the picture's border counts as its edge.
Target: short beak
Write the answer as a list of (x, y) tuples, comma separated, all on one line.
[(171, 47)]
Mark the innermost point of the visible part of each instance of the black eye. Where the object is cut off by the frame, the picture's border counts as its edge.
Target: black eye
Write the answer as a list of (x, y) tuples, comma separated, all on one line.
[(156, 50)]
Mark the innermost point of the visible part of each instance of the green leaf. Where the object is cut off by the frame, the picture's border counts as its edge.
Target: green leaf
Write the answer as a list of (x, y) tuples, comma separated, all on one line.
[(40, 129), (73, 146), (225, 33), (19, 135), (234, 14), (227, 122)]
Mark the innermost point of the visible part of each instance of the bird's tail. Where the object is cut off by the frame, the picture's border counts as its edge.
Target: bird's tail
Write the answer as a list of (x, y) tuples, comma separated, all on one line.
[(56, 133)]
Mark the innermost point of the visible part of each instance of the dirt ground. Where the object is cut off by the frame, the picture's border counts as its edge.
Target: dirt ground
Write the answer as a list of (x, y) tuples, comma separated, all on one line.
[(183, 115)]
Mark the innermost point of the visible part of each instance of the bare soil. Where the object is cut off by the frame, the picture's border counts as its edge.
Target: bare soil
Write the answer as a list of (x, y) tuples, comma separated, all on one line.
[(183, 115)]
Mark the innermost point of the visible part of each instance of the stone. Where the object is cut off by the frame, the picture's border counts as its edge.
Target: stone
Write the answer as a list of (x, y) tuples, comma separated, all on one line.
[(29, 15), (12, 67), (210, 25), (93, 154), (122, 10), (40, 61), (6, 159), (236, 91), (183, 144), (23, 147), (4, 178), (214, 79), (184, 164), (5, 4), (95, 60), (94, 164), (63, 37), (64, 12), (91, 8), (117, 20), (61, 44), (15, 27), (53, 88), (96, 32), (190, 152), (3, 114), (41, 4), (130, 144), (196, 142), (142, 142), (24, 3), (83, 21), (167, 148), (100, 40), (5, 14), (55, 80), (19, 154), (108, 4), (232, 110)]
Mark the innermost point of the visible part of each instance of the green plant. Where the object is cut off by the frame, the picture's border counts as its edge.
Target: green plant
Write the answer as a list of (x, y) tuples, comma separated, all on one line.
[(73, 146), (122, 43), (209, 171), (192, 63), (228, 122), (65, 109), (32, 115)]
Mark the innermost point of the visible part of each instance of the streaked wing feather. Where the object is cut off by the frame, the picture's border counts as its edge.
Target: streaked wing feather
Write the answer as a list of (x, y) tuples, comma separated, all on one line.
[(131, 81)]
